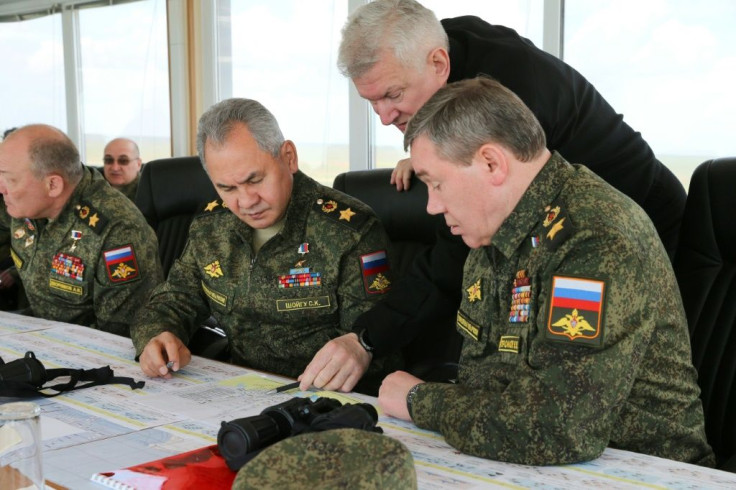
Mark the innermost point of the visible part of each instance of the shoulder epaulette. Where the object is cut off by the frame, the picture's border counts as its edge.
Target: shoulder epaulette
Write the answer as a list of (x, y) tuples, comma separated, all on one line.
[(557, 226), (91, 217), (340, 213), (214, 206)]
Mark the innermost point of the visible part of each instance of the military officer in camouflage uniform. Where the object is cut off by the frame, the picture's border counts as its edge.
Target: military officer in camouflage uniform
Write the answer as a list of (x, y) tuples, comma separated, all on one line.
[(122, 166), (575, 336), (283, 263), (84, 252)]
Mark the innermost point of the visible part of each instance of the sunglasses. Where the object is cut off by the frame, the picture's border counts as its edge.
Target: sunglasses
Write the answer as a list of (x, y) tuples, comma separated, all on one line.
[(123, 160)]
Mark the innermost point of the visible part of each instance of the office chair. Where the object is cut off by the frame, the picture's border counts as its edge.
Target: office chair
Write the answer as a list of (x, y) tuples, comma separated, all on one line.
[(170, 193), (434, 356), (705, 266)]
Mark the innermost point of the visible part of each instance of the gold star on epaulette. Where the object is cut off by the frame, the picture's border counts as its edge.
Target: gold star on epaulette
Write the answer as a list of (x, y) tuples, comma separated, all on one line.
[(93, 220), (555, 229), (346, 214), (211, 205)]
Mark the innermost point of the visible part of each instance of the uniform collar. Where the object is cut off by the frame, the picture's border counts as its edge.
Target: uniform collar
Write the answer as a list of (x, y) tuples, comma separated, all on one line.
[(302, 195), (89, 176), (527, 214)]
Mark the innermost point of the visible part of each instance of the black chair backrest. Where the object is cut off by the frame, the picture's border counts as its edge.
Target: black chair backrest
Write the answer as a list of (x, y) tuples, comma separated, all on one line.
[(170, 192), (403, 214), (705, 266)]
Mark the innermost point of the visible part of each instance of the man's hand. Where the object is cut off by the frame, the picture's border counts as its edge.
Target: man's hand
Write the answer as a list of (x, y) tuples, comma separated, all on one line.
[(7, 280), (337, 366), (393, 391), (163, 348), (401, 176)]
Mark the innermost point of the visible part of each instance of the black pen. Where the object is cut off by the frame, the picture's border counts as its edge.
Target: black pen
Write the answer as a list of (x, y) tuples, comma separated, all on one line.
[(281, 388)]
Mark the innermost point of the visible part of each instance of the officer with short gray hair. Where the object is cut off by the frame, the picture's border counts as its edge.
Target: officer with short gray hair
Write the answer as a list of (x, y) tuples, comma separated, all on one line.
[(575, 336), (283, 263)]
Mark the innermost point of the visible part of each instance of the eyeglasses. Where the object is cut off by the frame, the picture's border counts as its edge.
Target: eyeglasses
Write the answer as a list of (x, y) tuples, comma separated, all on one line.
[(122, 160)]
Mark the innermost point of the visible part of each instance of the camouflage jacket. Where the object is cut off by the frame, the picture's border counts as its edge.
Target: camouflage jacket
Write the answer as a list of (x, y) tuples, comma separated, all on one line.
[(575, 336), (129, 190), (306, 285), (4, 231), (93, 265)]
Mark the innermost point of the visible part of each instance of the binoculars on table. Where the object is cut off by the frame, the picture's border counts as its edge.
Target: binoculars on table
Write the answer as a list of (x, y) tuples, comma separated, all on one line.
[(241, 439)]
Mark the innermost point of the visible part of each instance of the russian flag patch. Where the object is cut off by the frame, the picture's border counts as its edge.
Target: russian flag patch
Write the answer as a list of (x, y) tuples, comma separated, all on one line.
[(121, 264), (375, 272), (576, 310)]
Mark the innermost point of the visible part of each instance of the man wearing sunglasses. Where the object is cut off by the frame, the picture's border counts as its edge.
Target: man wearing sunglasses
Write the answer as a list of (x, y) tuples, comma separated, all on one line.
[(122, 166)]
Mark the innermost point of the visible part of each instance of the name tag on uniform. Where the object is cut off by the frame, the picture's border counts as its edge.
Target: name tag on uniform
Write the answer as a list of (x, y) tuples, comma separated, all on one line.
[(467, 325), (509, 343), (67, 288), (218, 298), (302, 303)]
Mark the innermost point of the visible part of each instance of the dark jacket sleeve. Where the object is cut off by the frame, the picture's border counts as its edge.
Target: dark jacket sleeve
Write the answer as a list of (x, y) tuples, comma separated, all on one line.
[(422, 303)]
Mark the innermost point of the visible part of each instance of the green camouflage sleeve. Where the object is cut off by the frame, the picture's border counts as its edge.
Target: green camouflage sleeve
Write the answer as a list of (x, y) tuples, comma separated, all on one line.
[(361, 283), (4, 232), (559, 405), (176, 305), (128, 269)]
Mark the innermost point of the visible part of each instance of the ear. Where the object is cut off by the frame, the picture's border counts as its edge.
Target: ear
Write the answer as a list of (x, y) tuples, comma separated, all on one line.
[(289, 155), (440, 61), (54, 185), (493, 160)]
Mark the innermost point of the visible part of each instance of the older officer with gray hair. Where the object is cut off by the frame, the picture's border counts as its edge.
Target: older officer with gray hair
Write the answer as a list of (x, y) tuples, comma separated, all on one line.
[(283, 263), (84, 252), (575, 336)]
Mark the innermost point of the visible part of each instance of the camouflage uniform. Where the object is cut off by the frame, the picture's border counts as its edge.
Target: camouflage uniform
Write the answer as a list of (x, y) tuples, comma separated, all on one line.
[(4, 231), (338, 458), (93, 265), (575, 336), (11, 298), (129, 190), (327, 246)]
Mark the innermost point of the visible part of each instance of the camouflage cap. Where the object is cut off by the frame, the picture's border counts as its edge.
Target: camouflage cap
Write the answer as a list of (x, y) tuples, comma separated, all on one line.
[(339, 458)]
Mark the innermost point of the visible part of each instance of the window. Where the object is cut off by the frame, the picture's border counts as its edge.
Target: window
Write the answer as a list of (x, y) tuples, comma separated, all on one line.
[(284, 55), (667, 66), (523, 16), (125, 78), (32, 84)]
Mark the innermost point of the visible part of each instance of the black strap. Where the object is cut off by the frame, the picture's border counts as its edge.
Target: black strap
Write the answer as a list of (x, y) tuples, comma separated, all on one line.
[(97, 376), (25, 378)]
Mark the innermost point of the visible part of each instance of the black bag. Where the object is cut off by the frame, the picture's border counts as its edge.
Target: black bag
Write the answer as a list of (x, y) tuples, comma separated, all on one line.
[(26, 377)]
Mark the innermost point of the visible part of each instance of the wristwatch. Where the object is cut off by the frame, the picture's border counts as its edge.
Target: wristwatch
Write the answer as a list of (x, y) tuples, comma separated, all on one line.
[(410, 397), (363, 339)]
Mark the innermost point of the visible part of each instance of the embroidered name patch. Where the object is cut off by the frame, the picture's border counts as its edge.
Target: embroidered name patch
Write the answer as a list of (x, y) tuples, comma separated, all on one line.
[(67, 288), (121, 264), (509, 343), (576, 310), (16, 259), (373, 266), (467, 325), (68, 266), (218, 298), (302, 303)]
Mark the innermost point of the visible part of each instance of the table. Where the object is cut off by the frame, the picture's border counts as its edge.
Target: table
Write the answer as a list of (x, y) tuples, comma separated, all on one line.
[(111, 427)]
